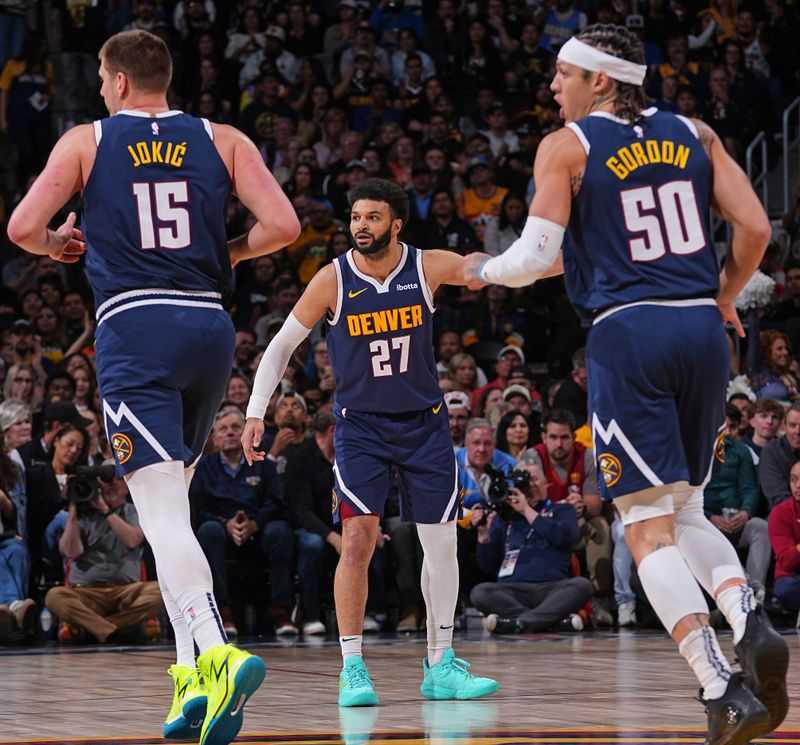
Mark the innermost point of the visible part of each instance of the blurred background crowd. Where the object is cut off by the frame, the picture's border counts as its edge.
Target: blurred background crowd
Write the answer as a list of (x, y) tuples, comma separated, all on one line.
[(450, 99)]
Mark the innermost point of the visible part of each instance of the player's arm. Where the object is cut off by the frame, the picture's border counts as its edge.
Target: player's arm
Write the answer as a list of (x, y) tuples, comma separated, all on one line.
[(442, 268), (258, 190), (61, 179), (557, 170), (320, 296), (734, 200)]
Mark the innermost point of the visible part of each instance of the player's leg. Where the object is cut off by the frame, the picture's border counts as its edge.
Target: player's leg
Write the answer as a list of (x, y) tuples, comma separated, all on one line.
[(361, 484), (429, 487)]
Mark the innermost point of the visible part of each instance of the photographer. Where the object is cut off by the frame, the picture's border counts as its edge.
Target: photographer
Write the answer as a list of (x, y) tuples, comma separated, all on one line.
[(527, 545), (103, 542)]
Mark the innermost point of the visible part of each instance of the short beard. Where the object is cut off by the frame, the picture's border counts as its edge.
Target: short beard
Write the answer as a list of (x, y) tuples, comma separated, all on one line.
[(378, 248)]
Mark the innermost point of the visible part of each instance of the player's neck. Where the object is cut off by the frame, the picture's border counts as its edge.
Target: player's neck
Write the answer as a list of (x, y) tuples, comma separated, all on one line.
[(147, 104), (380, 265)]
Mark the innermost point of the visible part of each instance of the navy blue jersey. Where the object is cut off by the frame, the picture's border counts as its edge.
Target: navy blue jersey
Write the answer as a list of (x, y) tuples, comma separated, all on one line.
[(154, 206), (380, 339), (639, 226)]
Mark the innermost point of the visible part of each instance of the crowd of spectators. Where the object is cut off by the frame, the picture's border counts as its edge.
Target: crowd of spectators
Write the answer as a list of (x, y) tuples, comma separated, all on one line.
[(450, 99)]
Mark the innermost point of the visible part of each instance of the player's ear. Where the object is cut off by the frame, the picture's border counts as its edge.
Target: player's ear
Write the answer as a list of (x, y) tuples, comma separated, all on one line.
[(397, 226), (602, 84)]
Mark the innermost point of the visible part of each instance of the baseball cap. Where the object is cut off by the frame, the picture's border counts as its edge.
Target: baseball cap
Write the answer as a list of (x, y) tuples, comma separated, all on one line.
[(512, 348), (634, 21), (517, 390), (276, 32), (61, 410), (456, 399), (363, 26), (21, 326), (362, 53), (355, 163), (476, 162), (497, 105), (292, 394), (325, 203)]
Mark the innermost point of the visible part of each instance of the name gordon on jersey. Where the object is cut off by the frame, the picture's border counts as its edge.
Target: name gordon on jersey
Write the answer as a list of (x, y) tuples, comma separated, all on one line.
[(157, 151), (383, 321), (645, 153)]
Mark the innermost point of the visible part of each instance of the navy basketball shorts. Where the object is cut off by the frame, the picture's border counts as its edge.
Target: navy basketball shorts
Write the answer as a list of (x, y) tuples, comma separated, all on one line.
[(162, 372), (418, 444), (657, 377)]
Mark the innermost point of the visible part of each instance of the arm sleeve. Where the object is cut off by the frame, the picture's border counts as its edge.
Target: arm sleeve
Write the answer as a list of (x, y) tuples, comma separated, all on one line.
[(273, 365)]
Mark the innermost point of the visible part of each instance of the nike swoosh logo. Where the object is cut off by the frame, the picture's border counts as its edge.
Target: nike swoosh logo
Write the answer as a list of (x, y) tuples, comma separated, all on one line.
[(352, 294), (444, 628), (437, 408), (348, 638)]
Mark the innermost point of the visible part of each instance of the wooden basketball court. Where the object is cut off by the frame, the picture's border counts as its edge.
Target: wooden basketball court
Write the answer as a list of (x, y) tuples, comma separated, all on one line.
[(628, 687)]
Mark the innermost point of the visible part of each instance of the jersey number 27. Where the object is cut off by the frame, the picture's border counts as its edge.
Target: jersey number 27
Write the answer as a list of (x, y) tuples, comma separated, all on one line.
[(381, 355), (162, 201), (668, 215)]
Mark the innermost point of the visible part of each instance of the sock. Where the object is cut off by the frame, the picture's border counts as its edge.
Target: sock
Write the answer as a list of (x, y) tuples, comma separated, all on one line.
[(439, 585), (351, 646), (735, 603), (162, 502), (184, 643), (701, 650)]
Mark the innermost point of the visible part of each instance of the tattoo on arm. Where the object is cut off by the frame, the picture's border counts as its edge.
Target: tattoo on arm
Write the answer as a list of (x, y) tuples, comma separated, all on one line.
[(575, 183)]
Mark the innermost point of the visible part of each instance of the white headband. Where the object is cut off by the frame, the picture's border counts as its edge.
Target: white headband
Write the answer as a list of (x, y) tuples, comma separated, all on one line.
[(590, 58)]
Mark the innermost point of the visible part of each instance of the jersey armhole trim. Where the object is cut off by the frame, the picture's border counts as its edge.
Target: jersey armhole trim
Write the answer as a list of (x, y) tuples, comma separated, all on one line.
[(424, 286), (207, 125), (98, 131), (579, 133), (690, 125), (339, 294)]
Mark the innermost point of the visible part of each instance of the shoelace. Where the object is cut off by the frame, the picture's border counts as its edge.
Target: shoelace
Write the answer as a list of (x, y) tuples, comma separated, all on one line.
[(358, 677), (461, 666)]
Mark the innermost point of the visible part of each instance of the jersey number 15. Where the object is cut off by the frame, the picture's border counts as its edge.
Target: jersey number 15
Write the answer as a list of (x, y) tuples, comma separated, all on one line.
[(668, 215), (161, 201)]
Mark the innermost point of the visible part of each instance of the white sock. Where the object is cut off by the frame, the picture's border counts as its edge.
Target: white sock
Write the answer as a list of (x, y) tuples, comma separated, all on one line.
[(351, 646), (439, 585), (184, 643), (735, 603), (162, 503), (701, 650)]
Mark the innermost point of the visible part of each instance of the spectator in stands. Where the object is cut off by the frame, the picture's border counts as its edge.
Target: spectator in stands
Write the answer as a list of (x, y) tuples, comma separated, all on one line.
[(478, 451), (408, 42), (784, 533), (302, 36), (766, 421), (21, 385), (520, 398), (504, 229), (290, 416), (15, 426), (309, 251), (570, 471), (329, 147), (731, 502), (507, 357), (502, 140), (340, 33), (102, 541), (388, 20), (246, 41), (259, 117), (364, 41), (789, 308), (420, 193), (240, 514), (777, 459), (773, 377), (572, 393), (458, 412), (724, 114), (481, 200), (514, 432), (562, 22), (238, 390), (444, 228), (444, 36), (463, 372), (529, 552)]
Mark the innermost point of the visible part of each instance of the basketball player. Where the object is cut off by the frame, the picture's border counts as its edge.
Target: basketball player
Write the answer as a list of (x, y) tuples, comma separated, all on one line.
[(632, 188), (378, 299), (155, 187)]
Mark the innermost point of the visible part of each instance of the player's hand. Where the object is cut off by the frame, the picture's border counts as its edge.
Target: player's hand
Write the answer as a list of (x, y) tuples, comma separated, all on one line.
[(472, 265), (729, 315), (70, 242), (251, 439)]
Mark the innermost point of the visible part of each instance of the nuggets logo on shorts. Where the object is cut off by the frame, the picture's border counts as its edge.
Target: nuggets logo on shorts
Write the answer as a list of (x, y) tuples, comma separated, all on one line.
[(123, 447), (719, 448), (610, 467), (334, 502)]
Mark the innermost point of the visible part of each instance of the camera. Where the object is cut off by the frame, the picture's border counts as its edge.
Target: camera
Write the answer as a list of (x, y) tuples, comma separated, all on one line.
[(500, 486), (82, 484)]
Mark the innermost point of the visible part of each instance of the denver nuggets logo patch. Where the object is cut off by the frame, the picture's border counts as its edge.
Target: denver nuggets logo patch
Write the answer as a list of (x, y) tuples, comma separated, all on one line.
[(123, 447), (719, 448), (334, 503), (610, 467)]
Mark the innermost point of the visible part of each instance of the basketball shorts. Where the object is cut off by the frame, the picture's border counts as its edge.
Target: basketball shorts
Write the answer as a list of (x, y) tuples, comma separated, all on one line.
[(657, 377), (417, 444), (162, 372)]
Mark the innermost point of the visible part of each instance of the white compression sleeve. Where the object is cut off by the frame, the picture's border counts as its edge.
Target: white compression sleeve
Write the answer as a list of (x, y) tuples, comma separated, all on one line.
[(528, 257), (273, 365)]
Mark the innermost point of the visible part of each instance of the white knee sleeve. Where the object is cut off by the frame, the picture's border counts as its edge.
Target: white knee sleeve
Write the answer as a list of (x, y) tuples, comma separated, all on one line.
[(709, 554), (670, 587)]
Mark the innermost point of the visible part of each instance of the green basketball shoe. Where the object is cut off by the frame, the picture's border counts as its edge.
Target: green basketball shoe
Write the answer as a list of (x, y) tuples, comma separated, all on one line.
[(355, 685), (450, 678), (231, 677), (188, 704)]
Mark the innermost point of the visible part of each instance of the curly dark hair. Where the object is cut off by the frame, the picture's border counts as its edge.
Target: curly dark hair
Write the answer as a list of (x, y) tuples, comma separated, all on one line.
[(383, 190), (619, 42)]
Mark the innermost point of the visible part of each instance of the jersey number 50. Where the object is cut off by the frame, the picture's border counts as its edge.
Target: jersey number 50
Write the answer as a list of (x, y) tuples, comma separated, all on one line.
[(680, 218), (381, 356), (166, 196)]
